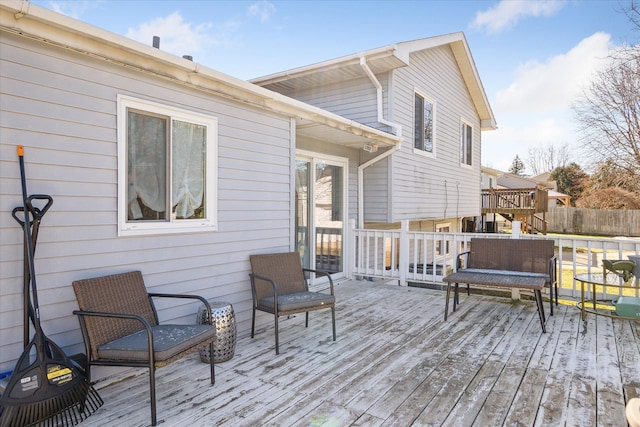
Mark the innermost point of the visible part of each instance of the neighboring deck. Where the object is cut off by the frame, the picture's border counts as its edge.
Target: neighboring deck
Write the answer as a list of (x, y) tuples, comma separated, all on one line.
[(396, 362)]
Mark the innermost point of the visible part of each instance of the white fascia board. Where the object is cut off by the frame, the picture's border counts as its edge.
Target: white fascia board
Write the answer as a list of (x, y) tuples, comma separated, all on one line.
[(343, 61)]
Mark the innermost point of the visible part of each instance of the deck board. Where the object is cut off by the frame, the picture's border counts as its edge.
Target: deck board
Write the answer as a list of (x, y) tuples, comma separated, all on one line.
[(397, 363)]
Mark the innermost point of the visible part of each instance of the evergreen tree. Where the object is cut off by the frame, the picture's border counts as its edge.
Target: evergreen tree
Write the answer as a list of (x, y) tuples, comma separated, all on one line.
[(517, 166), (571, 180)]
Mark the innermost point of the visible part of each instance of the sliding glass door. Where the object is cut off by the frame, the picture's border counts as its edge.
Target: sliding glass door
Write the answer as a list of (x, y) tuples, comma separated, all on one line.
[(320, 211)]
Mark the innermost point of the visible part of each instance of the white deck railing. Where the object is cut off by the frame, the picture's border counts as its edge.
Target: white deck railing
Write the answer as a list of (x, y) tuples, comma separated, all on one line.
[(425, 257)]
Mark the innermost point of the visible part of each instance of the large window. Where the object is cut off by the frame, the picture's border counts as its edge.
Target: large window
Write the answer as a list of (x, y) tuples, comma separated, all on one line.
[(423, 123), (166, 168), (466, 143)]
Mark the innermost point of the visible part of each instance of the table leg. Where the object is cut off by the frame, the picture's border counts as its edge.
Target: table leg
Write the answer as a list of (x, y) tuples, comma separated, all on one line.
[(456, 297), (584, 314), (446, 304)]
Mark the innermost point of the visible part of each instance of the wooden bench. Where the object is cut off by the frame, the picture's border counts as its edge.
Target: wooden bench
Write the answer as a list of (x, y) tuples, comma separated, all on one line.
[(528, 264)]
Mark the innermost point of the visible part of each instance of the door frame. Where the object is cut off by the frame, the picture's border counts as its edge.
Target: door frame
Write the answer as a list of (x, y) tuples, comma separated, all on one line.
[(315, 158)]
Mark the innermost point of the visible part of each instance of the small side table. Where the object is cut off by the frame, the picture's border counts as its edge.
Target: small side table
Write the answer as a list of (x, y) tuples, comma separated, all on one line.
[(589, 282), (224, 346)]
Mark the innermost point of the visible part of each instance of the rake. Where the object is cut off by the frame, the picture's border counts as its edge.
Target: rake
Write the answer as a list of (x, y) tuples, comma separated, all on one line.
[(47, 388)]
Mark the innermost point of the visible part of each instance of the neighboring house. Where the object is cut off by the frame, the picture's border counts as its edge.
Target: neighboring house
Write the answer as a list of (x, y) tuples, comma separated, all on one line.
[(429, 92), (489, 178), (508, 197), (250, 170), (556, 198), (542, 181)]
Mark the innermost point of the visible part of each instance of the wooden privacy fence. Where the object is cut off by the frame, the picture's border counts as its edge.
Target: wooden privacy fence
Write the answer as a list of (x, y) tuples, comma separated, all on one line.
[(594, 221)]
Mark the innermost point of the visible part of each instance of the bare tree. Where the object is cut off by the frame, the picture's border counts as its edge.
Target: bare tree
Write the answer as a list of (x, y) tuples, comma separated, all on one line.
[(546, 158), (633, 14), (608, 174), (609, 112)]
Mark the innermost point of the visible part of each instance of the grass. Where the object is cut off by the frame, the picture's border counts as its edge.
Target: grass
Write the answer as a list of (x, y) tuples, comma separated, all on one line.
[(567, 283)]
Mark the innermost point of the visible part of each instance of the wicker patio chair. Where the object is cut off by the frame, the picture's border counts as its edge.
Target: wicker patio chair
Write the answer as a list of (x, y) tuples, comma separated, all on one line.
[(279, 286), (120, 327)]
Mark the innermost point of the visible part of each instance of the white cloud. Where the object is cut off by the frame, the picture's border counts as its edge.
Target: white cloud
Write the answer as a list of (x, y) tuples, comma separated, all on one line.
[(517, 135), (555, 84), (74, 9), (180, 37), (508, 12), (535, 109), (263, 9)]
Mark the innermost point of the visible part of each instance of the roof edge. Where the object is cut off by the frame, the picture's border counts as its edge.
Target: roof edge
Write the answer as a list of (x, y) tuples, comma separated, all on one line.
[(28, 20), (352, 59)]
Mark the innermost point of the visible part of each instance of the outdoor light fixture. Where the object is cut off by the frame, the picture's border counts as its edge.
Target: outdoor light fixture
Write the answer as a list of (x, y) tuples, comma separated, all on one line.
[(370, 148)]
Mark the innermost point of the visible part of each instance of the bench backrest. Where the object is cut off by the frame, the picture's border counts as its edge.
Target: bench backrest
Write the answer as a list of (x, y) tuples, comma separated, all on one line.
[(526, 255)]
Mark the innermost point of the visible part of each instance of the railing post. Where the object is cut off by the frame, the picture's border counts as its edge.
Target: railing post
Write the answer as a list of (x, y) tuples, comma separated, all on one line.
[(515, 234), (515, 229), (403, 262)]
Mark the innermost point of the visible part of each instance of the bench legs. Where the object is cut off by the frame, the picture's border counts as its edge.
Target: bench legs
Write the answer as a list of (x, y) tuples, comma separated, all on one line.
[(540, 304), (553, 288), (537, 293), (456, 298)]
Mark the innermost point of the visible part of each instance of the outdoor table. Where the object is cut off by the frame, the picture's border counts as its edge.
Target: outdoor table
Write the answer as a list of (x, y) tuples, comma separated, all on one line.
[(591, 281)]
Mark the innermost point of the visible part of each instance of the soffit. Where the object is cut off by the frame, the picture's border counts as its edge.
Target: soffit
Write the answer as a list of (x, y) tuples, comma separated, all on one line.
[(338, 70), (355, 137)]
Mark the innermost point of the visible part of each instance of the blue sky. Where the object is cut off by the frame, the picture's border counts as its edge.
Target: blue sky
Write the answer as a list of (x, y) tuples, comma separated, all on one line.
[(534, 57)]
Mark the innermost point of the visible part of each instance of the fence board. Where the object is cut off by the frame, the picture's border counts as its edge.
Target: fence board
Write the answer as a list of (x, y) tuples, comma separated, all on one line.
[(594, 221)]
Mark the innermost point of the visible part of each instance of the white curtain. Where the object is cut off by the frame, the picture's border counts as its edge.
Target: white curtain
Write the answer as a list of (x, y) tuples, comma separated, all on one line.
[(188, 153), (147, 150), (147, 163)]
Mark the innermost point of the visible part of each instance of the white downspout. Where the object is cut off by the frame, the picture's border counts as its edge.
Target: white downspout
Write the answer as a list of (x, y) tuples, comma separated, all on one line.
[(395, 126), (397, 131)]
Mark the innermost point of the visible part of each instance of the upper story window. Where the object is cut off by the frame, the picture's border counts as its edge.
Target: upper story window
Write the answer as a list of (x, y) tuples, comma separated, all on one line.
[(166, 169), (423, 123), (466, 143)]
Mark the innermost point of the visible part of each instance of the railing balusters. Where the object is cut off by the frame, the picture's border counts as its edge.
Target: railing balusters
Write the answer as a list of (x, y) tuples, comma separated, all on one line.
[(379, 254)]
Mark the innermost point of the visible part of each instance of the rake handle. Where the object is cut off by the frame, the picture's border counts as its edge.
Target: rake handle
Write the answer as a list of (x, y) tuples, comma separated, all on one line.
[(27, 231)]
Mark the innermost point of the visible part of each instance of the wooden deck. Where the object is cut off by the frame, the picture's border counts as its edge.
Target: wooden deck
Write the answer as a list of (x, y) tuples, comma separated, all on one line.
[(396, 362)]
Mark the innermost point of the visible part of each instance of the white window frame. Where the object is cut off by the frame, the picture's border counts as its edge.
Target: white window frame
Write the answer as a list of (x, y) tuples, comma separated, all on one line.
[(210, 222), (463, 147), (419, 151)]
